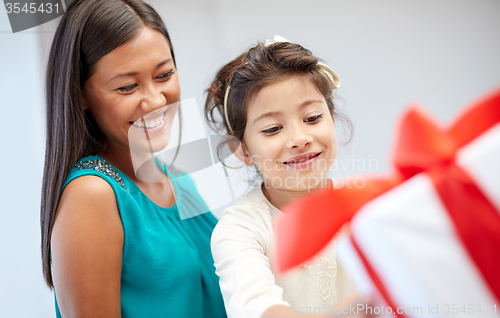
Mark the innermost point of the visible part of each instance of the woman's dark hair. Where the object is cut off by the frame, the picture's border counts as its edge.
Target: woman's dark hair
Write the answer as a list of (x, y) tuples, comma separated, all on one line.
[(261, 66), (87, 31)]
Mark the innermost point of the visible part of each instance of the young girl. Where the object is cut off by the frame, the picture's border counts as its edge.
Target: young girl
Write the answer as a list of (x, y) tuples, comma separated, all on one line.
[(114, 244), (277, 100)]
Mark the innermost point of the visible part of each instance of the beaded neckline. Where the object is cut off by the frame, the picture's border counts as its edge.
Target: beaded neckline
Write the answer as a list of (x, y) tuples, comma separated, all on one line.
[(103, 166)]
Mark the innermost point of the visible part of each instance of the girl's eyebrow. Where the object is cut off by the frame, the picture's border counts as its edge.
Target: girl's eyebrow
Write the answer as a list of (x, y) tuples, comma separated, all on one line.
[(310, 101), (270, 114), (135, 73)]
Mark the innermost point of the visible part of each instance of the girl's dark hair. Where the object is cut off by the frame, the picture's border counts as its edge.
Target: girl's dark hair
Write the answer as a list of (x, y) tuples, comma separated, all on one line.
[(261, 66), (87, 31)]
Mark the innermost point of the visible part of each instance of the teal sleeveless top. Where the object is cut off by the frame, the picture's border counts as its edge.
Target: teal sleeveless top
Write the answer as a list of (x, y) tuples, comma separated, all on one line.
[(167, 265)]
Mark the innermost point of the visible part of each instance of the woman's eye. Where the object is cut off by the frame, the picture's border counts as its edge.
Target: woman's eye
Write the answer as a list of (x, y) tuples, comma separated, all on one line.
[(313, 119), (128, 88), (271, 131), (166, 75)]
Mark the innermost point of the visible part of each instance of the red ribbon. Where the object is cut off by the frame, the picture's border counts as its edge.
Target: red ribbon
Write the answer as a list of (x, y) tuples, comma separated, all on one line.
[(310, 222)]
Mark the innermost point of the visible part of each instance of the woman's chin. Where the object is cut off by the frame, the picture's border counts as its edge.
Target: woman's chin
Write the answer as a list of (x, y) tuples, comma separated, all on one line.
[(142, 140), (148, 146)]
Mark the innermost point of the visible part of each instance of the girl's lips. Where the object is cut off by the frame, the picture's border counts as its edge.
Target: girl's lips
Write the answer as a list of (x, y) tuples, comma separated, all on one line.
[(303, 161)]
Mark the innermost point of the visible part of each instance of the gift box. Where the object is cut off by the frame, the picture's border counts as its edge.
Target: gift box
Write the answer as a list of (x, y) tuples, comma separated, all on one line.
[(426, 239)]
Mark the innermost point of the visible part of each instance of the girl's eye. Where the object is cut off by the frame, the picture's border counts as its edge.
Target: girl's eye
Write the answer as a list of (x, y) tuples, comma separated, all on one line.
[(166, 75), (127, 89), (313, 119), (271, 130)]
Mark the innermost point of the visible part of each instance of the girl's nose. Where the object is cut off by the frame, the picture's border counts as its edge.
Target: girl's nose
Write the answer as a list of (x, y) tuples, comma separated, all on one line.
[(298, 137)]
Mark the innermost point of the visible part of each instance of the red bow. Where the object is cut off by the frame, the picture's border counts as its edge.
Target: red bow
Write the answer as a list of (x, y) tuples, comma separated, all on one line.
[(310, 222)]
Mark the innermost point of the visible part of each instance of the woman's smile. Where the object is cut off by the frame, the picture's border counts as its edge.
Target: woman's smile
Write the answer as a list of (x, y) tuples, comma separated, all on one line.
[(151, 124)]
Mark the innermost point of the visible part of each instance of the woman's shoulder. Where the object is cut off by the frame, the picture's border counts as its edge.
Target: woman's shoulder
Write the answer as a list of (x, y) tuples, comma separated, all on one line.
[(80, 190), (99, 168), (92, 178), (87, 201)]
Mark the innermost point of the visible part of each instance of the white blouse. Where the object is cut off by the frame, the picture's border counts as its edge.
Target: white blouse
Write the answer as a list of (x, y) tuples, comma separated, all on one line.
[(242, 249)]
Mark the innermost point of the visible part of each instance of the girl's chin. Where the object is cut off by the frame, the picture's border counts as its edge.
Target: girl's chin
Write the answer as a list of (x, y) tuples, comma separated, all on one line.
[(298, 183)]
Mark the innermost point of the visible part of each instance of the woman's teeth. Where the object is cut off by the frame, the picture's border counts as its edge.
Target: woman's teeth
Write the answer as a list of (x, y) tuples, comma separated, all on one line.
[(150, 123)]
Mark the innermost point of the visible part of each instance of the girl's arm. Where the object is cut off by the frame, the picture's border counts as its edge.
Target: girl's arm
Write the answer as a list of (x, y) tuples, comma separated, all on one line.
[(86, 247), (240, 243)]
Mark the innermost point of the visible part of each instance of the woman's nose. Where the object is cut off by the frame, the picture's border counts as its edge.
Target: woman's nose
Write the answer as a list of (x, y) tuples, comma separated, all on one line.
[(154, 98), (298, 137)]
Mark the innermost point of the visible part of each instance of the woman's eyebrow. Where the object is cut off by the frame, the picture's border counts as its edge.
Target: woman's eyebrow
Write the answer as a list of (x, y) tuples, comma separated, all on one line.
[(163, 62), (124, 74), (135, 73)]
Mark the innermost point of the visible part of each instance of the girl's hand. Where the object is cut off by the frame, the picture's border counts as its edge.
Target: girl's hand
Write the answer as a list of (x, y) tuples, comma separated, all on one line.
[(352, 302), (347, 302)]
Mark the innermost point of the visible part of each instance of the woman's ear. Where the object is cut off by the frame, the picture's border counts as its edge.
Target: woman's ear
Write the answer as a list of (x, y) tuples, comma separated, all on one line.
[(239, 150), (83, 101)]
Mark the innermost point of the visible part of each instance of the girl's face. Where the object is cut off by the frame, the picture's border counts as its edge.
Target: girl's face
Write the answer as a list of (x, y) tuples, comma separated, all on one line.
[(290, 135), (135, 81)]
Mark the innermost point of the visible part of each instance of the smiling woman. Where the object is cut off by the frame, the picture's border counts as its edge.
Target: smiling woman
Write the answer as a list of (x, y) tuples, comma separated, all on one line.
[(114, 244), (136, 81)]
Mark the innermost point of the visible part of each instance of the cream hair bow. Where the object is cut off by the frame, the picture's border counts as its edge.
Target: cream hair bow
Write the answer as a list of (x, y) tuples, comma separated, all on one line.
[(334, 78)]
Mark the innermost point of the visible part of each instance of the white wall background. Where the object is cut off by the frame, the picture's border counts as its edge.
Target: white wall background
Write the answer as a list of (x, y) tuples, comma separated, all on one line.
[(388, 53)]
